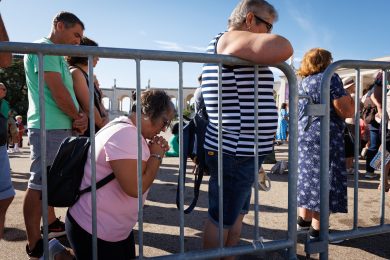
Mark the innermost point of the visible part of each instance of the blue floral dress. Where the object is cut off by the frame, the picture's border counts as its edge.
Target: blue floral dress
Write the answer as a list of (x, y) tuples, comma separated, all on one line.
[(281, 133), (309, 149)]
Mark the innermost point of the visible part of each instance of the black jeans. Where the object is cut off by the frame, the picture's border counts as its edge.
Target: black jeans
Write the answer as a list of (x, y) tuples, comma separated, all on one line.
[(81, 243)]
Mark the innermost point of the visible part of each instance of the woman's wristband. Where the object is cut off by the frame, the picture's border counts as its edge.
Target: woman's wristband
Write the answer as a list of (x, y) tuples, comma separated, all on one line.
[(155, 155)]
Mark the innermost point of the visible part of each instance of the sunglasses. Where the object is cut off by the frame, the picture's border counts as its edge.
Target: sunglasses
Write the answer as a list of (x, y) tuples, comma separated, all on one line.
[(267, 24)]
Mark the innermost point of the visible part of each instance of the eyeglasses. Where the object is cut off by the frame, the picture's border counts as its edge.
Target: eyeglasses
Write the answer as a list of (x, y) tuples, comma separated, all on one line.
[(166, 123), (267, 24)]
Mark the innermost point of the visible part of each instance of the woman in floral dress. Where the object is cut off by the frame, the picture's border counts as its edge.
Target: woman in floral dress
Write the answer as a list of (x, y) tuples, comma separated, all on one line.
[(313, 65)]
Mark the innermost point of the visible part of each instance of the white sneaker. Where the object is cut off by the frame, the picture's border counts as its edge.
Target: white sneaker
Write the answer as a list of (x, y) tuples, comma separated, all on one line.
[(10, 150), (351, 171)]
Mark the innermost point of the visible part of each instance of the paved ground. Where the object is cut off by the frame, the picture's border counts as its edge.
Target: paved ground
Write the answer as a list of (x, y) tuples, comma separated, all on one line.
[(161, 218)]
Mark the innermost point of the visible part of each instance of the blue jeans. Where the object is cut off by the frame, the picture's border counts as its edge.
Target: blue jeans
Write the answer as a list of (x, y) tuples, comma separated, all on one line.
[(6, 188), (375, 142), (53, 140), (238, 178)]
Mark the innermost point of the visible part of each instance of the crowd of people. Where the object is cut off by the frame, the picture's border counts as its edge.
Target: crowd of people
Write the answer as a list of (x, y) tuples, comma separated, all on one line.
[(248, 36)]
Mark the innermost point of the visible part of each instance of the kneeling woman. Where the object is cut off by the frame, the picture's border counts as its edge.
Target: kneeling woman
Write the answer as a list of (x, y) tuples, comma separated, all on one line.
[(117, 203)]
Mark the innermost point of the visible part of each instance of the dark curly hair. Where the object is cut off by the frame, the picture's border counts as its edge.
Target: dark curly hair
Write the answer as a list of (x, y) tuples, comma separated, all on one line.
[(154, 102), (85, 41), (68, 19)]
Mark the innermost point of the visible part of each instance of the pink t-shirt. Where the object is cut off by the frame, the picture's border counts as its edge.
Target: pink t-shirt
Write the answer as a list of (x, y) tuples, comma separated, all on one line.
[(117, 213)]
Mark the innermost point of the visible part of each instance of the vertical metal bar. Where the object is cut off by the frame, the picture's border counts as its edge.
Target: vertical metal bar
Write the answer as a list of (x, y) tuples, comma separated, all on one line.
[(256, 150), (41, 87), (91, 117), (220, 157), (181, 187), (139, 161), (356, 150), (293, 159), (383, 162), (324, 165)]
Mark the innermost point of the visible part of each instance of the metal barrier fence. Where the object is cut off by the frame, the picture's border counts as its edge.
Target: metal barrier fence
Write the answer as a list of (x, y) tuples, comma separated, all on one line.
[(322, 110), (180, 57)]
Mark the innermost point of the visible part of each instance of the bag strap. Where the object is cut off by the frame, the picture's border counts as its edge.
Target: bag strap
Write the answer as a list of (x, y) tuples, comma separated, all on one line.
[(198, 171), (109, 177), (99, 184), (95, 98), (198, 181)]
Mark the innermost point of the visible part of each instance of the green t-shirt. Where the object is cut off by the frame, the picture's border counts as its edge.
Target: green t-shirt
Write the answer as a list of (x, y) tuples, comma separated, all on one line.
[(55, 117), (4, 107)]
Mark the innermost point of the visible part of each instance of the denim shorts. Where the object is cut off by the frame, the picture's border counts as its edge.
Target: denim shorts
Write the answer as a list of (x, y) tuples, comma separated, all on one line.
[(53, 141), (6, 188), (238, 179)]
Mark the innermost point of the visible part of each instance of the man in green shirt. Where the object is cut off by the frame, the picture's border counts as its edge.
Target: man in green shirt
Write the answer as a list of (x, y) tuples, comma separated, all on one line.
[(61, 116)]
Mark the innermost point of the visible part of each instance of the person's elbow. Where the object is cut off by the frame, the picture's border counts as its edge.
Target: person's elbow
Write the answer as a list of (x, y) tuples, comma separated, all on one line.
[(276, 52), (5, 60)]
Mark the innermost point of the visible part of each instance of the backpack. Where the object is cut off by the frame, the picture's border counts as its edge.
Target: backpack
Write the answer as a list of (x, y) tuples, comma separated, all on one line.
[(65, 174), (193, 140)]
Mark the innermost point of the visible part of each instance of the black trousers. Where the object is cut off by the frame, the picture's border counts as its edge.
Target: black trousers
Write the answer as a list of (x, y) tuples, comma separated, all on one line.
[(81, 243)]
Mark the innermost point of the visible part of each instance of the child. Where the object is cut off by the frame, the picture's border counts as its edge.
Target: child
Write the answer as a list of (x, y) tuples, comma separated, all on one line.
[(13, 137), (20, 126)]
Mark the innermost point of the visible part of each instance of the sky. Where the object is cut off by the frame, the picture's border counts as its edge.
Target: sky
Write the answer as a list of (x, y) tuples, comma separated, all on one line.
[(348, 29)]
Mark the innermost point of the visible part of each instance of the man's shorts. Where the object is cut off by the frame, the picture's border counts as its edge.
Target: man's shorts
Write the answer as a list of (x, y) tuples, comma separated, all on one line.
[(6, 188), (53, 141), (238, 179)]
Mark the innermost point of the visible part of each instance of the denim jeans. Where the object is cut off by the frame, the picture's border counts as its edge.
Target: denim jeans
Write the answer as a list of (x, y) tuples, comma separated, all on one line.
[(238, 178), (375, 142)]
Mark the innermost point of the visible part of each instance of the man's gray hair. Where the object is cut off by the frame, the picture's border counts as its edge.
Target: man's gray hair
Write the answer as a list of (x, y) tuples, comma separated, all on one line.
[(239, 13)]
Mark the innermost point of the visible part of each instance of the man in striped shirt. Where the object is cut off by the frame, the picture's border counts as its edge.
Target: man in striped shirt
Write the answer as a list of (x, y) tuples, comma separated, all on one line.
[(248, 37)]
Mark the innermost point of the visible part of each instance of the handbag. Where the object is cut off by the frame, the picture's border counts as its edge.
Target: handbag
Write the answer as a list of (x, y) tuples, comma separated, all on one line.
[(3, 128)]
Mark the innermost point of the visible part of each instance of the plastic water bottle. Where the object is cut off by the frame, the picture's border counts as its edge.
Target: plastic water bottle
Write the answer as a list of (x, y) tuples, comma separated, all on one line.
[(377, 160)]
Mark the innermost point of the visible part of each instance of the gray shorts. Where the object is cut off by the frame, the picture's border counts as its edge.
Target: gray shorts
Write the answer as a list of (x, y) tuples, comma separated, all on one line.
[(53, 141)]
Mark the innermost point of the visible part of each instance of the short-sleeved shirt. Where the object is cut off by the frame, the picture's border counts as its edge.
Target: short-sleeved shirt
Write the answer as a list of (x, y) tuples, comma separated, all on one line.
[(55, 117), (4, 107), (117, 212)]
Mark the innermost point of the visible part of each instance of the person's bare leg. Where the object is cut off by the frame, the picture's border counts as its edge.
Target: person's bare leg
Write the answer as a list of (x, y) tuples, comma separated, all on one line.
[(349, 162), (211, 235), (316, 220), (4, 204), (306, 214), (234, 235), (32, 211)]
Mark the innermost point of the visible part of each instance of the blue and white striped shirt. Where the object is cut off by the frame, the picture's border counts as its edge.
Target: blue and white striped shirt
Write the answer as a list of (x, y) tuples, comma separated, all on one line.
[(238, 105)]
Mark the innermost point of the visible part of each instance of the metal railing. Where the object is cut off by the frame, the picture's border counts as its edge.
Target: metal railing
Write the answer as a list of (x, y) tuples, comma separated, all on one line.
[(180, 57), (322, 110)]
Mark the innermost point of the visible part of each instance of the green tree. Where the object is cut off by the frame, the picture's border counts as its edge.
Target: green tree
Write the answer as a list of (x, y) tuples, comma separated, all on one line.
[(14, 78)]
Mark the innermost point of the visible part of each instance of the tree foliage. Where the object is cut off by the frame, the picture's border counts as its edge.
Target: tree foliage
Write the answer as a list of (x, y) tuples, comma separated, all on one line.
[(14, 79)]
